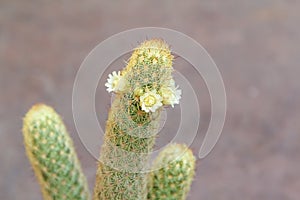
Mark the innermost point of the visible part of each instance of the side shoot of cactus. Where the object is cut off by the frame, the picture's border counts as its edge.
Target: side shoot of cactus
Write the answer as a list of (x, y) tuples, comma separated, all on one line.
[(172, 174), (52, 155)]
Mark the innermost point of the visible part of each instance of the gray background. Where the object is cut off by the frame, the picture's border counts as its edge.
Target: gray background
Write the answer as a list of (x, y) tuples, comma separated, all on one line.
[(254, 43)]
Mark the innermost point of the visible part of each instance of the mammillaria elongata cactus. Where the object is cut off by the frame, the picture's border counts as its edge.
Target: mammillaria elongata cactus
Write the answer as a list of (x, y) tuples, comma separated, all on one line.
[(173, 174), (133, 121), (51, 153), (142, 88)]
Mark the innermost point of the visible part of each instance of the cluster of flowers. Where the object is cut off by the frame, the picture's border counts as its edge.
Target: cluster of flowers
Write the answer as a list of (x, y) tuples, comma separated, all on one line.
[(150, 100)]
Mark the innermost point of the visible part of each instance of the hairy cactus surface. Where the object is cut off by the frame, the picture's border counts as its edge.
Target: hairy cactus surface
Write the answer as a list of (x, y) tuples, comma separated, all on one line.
[(172, 174), (51, 153), (133, 121)]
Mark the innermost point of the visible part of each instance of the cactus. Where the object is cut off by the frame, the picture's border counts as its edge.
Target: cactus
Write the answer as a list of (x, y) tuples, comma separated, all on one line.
[(132, 124), (142, 88), (53, 158), (172, 174)]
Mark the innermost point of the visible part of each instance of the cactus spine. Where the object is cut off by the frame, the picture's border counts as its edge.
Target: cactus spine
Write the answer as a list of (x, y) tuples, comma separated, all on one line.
[(131, 125), (173, 174), (53, 158)]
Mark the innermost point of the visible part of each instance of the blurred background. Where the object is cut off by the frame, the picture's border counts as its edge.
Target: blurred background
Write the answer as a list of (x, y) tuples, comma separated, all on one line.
[(254, 43)]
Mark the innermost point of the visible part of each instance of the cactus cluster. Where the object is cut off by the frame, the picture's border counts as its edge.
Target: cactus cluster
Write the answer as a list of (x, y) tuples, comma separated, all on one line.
[(142, 88)]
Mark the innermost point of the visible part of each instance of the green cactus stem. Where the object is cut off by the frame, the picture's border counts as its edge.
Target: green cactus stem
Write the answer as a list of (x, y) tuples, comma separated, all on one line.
[(52, 156), (172, 174), (131, 128)]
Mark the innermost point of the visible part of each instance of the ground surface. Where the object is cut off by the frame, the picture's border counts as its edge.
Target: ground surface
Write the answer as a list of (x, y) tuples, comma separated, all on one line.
[(254, 43)]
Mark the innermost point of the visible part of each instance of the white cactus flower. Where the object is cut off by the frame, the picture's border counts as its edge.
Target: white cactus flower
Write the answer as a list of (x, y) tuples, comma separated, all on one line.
[(115, 82), (170, 93), (150, 101)]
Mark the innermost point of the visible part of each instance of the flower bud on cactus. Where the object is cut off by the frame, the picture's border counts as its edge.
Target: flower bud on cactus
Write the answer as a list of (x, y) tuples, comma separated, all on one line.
[(132, 123), (51, 153), (173, 174)]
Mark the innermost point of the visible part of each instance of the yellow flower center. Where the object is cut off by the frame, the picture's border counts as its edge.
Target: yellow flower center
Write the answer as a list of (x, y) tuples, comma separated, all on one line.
[(114, 83), (150, 101), (155, 60)]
